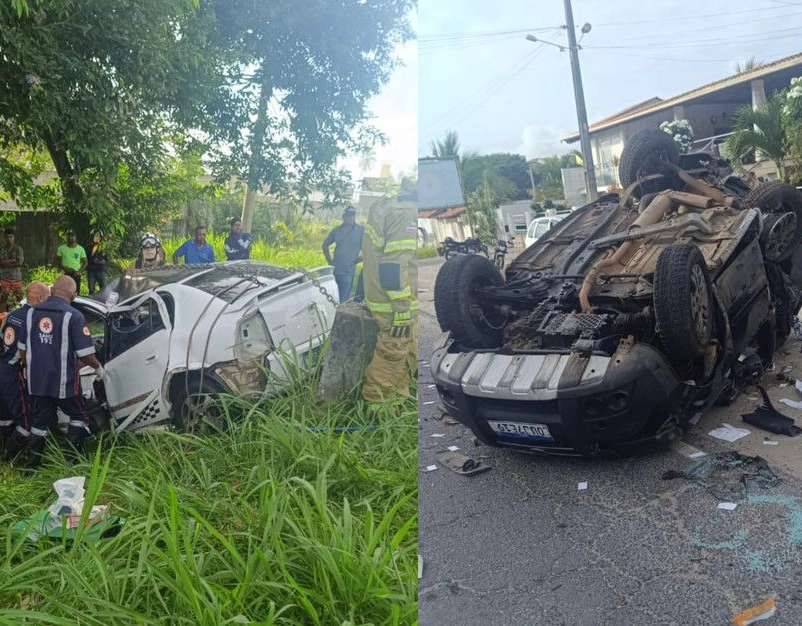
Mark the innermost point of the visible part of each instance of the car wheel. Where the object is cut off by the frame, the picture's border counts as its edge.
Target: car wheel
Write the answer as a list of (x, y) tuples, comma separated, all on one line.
[(684, 308), (195, 408), (781, 205), (458, 305), (648, 152)]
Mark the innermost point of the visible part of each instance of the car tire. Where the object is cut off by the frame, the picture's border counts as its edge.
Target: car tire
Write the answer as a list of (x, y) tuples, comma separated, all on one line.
[(455, 301), (684, 307), (781, 205), (647, 152), (194, 408)]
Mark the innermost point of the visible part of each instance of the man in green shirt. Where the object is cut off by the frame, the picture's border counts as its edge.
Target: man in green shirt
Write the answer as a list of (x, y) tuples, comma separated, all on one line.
[(71, 258)]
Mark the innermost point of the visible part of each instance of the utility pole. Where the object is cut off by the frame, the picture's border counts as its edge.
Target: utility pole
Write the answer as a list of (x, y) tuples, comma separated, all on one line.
[(579, 95)]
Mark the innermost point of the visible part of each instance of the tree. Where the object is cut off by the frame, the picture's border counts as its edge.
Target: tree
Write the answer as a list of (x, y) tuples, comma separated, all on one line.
[(749, 64), (300, 76), (482, 205), (447, 147), (98, 86), (760, 130)]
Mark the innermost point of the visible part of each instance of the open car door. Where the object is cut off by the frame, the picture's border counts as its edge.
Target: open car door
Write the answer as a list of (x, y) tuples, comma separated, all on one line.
[(136, 355)]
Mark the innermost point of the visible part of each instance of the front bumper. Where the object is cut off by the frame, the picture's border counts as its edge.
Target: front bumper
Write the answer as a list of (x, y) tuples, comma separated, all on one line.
[(589, 403)]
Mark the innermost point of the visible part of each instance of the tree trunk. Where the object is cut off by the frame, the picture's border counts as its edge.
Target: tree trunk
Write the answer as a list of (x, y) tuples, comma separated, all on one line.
[(72, 193), (252, 180)]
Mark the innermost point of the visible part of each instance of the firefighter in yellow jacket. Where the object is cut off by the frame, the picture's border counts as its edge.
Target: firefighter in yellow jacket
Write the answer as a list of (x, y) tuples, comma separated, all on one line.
[(390, 275)]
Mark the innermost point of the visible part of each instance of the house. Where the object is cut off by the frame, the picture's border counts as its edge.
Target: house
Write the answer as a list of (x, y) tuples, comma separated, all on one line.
[(514, 217), (442, 209), (710, 109)]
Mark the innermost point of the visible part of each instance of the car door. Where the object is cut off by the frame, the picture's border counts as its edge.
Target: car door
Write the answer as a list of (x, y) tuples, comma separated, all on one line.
[(136, 351)]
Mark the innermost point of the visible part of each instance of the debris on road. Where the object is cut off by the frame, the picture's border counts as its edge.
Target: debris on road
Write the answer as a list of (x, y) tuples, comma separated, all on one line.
[(769, 442), (437, 435), (766, 417), (728, 433), (792, 403), (756, 613), (582, 486), (689, 451), (430, 468), (450, 421), (726, 475), (453, 448), (727, 506), (461, 464)]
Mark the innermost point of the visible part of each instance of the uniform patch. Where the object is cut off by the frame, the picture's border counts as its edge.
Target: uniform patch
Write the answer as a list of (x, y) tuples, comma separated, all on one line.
[(46, 325), (9, 336), (86, 331), (412, 229)]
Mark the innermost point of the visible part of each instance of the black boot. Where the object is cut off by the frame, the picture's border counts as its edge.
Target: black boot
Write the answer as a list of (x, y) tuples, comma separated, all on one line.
[(36, 446), (16, 443)]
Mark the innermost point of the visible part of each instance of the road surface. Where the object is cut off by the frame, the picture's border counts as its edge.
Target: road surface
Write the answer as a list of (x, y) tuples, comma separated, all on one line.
[(521, 544)]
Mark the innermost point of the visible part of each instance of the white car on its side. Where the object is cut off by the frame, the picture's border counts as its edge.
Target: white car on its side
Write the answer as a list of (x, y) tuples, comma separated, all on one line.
[(178, 333), (539, 226)]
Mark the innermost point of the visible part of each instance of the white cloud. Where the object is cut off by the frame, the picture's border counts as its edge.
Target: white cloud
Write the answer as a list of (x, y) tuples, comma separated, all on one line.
[(541, 141)]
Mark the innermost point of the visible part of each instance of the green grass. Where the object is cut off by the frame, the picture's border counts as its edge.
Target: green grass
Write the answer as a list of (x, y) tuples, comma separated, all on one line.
[(427, 252), (267, 523)]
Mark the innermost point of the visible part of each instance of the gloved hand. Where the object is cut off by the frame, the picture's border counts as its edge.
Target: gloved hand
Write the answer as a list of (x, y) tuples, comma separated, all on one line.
[(100, 373), (402, 324)]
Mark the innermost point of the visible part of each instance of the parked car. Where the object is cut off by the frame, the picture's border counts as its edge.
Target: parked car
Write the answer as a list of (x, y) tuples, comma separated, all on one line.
[(176, 334), (628, 318), (539, 227)]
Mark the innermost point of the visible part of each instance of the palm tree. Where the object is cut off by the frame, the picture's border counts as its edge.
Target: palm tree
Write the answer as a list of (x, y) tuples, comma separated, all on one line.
[(448, 147), (760, 130), (749, 64)]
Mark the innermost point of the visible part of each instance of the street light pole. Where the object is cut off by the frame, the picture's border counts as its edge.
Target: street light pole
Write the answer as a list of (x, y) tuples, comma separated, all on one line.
[(581, 114)]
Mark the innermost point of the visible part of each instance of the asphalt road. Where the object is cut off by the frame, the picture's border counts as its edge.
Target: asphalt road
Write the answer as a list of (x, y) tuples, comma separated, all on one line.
[(520, 544)]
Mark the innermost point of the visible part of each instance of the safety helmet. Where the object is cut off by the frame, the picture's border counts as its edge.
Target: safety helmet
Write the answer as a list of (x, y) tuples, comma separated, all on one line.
[(149, 239)]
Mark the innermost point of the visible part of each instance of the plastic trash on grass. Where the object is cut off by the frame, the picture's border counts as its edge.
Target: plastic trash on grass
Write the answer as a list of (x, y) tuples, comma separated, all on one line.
[(62, 518)]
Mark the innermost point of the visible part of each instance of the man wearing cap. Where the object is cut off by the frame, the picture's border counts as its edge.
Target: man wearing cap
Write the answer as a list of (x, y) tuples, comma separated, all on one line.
[(347, 238), (96, 266), (195, 250), (11, 258), (238, 243), (14, 397), (71, 258), (53, 342)]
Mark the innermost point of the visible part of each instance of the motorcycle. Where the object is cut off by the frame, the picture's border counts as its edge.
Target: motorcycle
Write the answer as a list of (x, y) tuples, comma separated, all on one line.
[(471, 245), (499, 253)]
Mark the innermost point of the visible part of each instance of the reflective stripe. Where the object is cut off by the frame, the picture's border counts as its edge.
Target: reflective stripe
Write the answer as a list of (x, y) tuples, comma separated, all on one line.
[(79, 424), (22, 431), (398, 295), (387, 307), (39, 432), (65, 346), (28, 353), (6, 422), (374, 236), (401, 245)]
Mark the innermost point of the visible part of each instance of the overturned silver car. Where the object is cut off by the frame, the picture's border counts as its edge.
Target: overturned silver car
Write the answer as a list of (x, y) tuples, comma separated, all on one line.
[(629, 317)]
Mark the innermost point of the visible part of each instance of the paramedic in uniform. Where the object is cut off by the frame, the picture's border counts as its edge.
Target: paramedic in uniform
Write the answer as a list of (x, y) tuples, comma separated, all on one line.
[(14, 396), (390, 273), (52, 344)]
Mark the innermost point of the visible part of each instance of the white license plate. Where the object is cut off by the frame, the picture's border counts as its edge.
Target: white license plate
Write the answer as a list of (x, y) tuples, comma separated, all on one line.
[(524, 430)]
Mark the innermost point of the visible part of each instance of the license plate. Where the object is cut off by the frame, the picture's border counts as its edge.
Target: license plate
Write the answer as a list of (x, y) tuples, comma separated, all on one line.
[(523, 430)]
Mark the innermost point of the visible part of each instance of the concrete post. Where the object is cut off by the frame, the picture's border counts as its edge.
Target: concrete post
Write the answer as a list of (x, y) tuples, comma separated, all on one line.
[(758, 94)]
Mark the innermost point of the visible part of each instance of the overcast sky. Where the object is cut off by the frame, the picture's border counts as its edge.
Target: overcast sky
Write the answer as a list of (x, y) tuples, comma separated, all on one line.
[(502, 93)]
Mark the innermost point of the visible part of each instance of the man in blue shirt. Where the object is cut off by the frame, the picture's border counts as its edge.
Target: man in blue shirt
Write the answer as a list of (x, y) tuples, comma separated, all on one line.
[(195, 250), (347, 239), (14, 397), (238, 243), (52, 343)]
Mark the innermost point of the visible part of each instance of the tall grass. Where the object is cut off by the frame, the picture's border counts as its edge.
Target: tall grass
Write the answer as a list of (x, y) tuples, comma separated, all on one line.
[(268, 523), (298, 255)]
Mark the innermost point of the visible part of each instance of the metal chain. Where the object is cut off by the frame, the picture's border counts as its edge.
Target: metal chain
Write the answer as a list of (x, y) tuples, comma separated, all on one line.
[(317, 284)]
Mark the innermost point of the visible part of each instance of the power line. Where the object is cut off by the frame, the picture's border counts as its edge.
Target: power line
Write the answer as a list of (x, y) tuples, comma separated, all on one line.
[(694, 17), (478, 34), (704, 43)]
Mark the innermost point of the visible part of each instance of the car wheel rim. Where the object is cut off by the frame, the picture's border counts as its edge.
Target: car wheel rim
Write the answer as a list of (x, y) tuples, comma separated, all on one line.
[(780, 236), (700, 304), (199, 414)]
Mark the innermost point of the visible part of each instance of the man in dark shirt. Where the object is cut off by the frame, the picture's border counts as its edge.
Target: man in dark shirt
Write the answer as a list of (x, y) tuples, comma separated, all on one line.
[(96, 264), (238, 243), (11, 259), (347, 238), (14, 396), (52, 343)]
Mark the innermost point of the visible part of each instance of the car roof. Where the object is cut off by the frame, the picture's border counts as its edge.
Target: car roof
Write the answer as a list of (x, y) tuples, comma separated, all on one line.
[(226, 280)]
